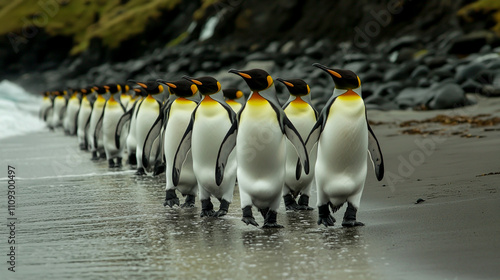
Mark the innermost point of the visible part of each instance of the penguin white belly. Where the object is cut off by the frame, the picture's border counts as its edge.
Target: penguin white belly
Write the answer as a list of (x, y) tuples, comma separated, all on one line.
[(112, 115), (94, 118), (57, 112), (260, 153), (146, 116), (44, 109), (83, 118), (210, 127), (179, 118), (125, 100), (236, 106), (71, 115), (342, 151), (303, 118)]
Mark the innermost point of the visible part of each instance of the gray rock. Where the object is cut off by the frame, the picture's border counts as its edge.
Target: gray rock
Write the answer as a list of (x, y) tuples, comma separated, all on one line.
[(405, 41), (471, 86), (490, 91), (412, 96), (447, 96), (421, 71)]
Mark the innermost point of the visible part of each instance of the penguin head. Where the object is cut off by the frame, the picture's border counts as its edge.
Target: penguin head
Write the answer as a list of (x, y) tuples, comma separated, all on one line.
[(206, 85), (343, 79), (46, 93), (256, 79), (140, 92), (125, 88), (151, 87), (296, 87), (113, 88), (181, 88), (100, 89), (232, 93)]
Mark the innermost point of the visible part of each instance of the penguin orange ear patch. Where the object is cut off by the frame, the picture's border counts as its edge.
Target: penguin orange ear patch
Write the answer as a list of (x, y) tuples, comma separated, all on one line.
[(171, 85), (197, 82), (239, 94), (288, 84), (334, 73)]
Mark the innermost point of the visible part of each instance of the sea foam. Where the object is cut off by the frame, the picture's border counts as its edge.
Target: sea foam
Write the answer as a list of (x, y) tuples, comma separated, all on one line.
[(18, 111)]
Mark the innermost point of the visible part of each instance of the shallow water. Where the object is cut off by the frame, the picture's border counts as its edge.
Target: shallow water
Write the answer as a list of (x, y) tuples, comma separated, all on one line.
[(79, 219)]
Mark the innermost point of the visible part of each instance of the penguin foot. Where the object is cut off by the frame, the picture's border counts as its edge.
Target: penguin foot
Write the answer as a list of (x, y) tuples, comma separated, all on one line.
[(189, 202), (290, 203), (102, 155), (221, 213), (83, 147), (111, 163), (159, 169), (250, 221), (248, 216), (140, 171), (224, 207), (270, 220), (324, 216), (352, 223), (304, 203), (94, 156), (207, 208), (171, 198)]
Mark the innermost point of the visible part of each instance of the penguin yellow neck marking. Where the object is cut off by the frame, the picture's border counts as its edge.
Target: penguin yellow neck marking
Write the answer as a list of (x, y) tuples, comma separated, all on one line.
[(100, 98), (231, 102), (182, 100), (207, 100), (150, 98), (299, 103), (349, 96), (257, 99)]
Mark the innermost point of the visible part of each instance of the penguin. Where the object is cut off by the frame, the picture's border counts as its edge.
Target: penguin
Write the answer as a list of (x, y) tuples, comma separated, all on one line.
[(343, 136), (113, 111), (83, 118), (234, 98), (260, 151), (59, 108), (302, 114), (46, 107), (125, 97), (127, 125), (70, 123), (94, 131), (210, 122), (177, 118), (146, 114)]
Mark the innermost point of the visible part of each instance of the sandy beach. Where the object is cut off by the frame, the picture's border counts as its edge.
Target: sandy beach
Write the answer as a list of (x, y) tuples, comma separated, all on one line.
[(79, 219)]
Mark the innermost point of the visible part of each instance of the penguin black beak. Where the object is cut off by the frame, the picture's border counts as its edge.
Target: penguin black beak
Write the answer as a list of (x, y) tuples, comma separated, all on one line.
[(192, 80), (326, 69), (240, 73)]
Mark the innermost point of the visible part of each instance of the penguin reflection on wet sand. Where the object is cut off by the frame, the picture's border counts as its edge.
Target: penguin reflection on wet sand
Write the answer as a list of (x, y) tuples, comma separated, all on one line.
[(259, 138), (302, 114), (210, 122), (343, 136)]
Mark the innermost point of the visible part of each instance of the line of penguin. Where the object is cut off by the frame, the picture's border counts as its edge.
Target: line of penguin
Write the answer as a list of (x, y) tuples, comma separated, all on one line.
[(205, 139)]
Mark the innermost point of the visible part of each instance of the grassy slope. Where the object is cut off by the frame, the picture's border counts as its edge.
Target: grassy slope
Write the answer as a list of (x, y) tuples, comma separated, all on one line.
[(484, 7), (116, 22)]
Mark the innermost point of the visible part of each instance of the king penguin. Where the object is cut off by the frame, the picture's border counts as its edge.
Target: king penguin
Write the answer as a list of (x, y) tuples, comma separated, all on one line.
[(302, 114), (260, 149), (95, 133), (177, 118), (59, 108), (234, 98), (84, 118), (125, 96), (70, 123), (113, 111), (46, 108), (146, 114), (343, 137), (210, 122)]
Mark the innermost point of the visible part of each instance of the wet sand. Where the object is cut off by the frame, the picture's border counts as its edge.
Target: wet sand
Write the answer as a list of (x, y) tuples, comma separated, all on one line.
[(79, 219)]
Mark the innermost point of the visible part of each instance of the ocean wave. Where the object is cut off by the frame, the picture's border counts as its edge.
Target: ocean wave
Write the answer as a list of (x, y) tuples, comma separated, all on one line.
[(18, 111)]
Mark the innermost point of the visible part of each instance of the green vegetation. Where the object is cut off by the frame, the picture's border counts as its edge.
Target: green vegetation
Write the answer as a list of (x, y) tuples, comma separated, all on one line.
[(482, 7), (111, 20)]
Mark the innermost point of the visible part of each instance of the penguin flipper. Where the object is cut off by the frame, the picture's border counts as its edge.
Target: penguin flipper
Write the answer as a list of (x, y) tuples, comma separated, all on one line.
[(182, 151), (293, 135), (375, 153), (225, 149), (121, 124), (98, 130), (153, 133)]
